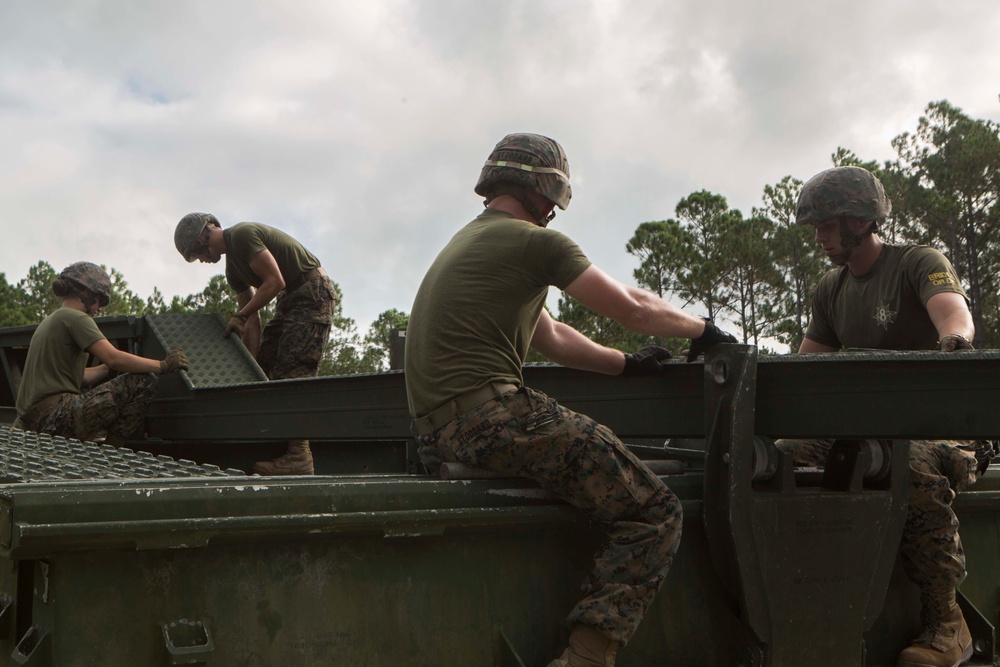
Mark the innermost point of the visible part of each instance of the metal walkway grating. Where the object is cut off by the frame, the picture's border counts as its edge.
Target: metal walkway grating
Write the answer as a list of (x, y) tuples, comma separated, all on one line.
[(215, 360), (26, 456)]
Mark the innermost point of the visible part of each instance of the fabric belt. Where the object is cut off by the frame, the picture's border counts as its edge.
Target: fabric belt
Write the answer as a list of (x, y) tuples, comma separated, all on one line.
[(39, 408), (304, 278), (459, 405)]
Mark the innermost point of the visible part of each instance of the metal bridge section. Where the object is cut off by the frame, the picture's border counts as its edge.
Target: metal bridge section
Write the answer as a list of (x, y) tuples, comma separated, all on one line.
[(221, 361), (26, 456), (166, 554)]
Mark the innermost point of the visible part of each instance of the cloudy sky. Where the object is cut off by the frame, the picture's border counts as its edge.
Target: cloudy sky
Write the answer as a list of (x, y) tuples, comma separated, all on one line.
[(359, 127)]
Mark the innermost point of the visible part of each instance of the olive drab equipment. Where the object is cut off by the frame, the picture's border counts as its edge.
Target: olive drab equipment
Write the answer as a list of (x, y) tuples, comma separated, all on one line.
[(91, 277), (851, 192), (778, 566), (189, 229), (531, 161)]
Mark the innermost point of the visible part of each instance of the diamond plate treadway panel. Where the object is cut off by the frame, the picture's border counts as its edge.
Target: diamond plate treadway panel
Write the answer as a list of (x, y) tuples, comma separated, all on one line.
[(215, 360), (26, 456)]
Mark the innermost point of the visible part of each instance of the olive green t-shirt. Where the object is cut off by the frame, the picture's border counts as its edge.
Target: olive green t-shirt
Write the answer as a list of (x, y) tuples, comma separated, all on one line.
[(884, 309), (246, 239), (476, 309), (57, 356)]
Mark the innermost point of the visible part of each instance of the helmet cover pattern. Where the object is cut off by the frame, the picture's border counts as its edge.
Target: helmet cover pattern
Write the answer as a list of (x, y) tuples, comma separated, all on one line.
[(92, 277), (851, 192), (189, 229), (531, 161)]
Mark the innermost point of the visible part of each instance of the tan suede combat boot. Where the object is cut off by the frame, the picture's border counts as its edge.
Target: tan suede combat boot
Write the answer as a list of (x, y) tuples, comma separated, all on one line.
[(945, 643), (298, 460), (587, 648)]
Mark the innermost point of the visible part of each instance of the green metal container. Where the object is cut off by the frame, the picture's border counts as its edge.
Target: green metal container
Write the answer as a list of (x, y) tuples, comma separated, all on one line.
[(168, 554)]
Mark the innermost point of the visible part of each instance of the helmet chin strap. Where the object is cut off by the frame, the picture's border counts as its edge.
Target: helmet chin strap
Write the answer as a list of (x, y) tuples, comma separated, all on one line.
[(88, 302), (848, 241), (86, 296)]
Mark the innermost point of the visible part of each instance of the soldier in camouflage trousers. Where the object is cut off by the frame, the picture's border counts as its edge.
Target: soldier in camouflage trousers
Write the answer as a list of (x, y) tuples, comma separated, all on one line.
[(525, 433), (478, 310), (896, 297), (262, 264), (115, 408), (293, 342), (50, 398)]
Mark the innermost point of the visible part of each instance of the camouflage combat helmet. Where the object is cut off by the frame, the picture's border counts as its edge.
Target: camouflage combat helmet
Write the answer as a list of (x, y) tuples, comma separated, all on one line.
[(89, 276), (189, 229), (850, 192), (531, 161)]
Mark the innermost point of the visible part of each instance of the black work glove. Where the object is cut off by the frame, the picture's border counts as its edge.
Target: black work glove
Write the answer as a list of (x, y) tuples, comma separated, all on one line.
[(985, 451), (953, 342), (236, 324), (175, 361), (712, 335), (647, 361)]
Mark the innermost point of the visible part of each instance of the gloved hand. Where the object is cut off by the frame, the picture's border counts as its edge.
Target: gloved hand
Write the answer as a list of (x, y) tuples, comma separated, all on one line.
[(237, 322), (646, 361), (712, 335), (953, 342), (175, 361), (986, 451)]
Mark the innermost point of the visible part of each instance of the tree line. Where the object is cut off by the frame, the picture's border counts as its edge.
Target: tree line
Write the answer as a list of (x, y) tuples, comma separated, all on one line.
[(755, 273)]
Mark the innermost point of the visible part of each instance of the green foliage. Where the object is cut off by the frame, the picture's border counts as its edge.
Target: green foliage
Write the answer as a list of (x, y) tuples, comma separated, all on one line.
[(12, 310), (379, 338), (945, 185), (217, 297), (35, 292), (660, 247), (708, 221), (796, 258), (123, 300), (713, 258), (348, 353), (754, 283)]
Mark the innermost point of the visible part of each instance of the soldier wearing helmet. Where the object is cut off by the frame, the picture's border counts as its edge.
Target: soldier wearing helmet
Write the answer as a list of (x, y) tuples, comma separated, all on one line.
[(51, 398), (476, 313), (264, 263), (896, 297)]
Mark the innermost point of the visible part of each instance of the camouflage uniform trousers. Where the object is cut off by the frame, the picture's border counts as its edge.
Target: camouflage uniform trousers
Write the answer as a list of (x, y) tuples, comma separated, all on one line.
[(293, 342), (931, 548), (527, 434), (116, 407)]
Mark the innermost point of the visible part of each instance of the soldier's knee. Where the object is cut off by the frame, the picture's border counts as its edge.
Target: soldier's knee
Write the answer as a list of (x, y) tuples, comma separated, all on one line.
[(664, 508)]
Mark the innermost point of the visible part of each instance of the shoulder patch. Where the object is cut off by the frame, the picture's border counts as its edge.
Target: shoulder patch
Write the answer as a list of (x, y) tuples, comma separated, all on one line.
[(941, 278)]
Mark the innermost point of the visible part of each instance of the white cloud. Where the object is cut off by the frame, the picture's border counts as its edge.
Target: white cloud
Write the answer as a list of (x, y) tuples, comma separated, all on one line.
[(360, 128)]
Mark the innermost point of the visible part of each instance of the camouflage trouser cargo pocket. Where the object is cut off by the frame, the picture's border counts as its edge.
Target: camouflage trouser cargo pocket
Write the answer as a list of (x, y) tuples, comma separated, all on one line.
[(116, 407), (955, 459), (314, 301), (293, 342)]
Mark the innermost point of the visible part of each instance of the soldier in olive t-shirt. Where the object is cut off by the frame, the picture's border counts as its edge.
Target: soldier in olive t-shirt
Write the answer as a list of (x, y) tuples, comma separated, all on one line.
[(890, 297), (57, 356), (476, 313), (264, 264), (479, 304), (52, 397), (885, 308)]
